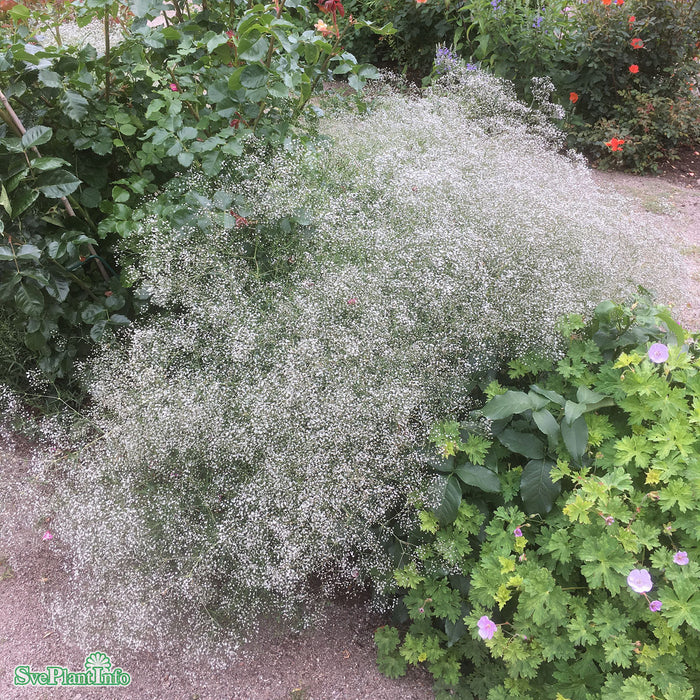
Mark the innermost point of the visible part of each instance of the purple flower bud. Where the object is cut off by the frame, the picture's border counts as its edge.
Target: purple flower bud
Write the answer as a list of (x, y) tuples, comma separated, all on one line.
[(518, 532), (655, 605)]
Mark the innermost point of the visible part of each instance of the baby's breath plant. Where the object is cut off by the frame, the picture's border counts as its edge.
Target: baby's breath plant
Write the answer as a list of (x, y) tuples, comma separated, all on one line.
[(258, 436)]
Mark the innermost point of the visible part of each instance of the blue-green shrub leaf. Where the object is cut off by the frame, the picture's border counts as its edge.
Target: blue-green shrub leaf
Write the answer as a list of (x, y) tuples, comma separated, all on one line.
[(525, 444), (575, 437), (572, 411), (537, 489), (546, 422), (48, 163), (481, 477), (450, 498), (505, 405)]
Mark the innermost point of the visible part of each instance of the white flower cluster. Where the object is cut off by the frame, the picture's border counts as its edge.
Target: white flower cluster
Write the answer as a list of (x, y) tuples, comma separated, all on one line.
[(261, 432)]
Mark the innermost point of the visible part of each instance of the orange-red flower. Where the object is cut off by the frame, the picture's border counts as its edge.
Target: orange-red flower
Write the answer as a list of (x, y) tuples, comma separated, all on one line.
[(632, 19), (607, 2), (615, 144), (573, 97), (637, 44), (634, 68), (420, 2), (619, 2)]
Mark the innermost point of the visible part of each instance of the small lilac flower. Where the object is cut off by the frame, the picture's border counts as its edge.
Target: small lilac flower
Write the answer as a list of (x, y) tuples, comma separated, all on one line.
[(639, 581), (518, 532), (47, 536), (495, 4), (538, 21), (487, 628), (681, 558), (658, 353), (609, 520), (655, 605), (471, 66)]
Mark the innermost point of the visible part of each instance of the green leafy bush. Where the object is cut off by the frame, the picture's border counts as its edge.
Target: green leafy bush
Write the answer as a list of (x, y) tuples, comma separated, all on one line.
[(562, 557), (114, 127), (260, 428)]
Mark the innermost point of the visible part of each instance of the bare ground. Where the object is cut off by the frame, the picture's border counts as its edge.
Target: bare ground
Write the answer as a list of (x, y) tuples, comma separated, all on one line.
[(333, 662)]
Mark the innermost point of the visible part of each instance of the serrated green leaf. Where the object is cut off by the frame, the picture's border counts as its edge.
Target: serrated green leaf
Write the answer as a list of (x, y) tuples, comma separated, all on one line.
[(48, 163), (253, 76), (50, 79), (29, 300), (36, 136), (57, 183), (74, 105)]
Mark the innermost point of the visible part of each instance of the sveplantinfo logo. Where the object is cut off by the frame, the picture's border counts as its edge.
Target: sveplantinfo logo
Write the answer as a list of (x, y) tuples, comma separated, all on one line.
[(98, 672)]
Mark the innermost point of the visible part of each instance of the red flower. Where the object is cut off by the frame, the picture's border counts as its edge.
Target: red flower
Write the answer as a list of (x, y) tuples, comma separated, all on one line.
[(637, 44), (607, 2), (332, 6), (573, 97), (632, 19), (634, 68), (615, 144), (619, 2)]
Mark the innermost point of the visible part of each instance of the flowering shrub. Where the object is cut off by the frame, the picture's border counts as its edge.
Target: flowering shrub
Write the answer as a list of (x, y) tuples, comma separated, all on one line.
[(563, 557), (313, 314)]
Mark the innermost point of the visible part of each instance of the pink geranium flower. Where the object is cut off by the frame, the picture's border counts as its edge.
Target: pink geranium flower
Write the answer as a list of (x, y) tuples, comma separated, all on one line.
[(487, 628), (658, 353), (681, 558), (47, 536), (639, 581)]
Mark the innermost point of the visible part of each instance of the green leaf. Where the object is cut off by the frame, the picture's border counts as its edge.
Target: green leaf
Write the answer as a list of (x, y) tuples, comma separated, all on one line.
[(505, 405), (585, 395), (546, 422), (50, 79), (254, 76), (92, 313), (119, 320), (5, 200), (98, 331), (575, 437), (6, 253), (48, 163), (254, 52), (455, 631), (450, 498), (481, 477), (525, 444), (551, 395), (572, 411), (74, 105), (216, 41), (19, 12), (57, 183), (28, 252), (185, 158), (29, 300), (536, 487), (36, 136), (22, 199)]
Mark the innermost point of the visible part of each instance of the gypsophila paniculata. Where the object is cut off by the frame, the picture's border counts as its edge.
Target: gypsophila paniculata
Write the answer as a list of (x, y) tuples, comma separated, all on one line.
[(259, 434)]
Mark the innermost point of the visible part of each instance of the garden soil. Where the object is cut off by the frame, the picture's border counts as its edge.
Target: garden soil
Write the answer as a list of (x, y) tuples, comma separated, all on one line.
[(336, 661)]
